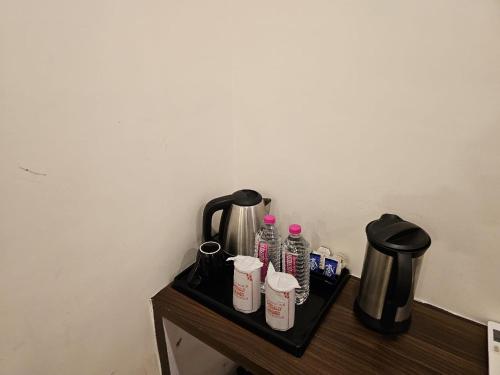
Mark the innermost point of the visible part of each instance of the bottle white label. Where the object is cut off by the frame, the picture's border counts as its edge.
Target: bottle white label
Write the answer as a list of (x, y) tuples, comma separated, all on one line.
[(290, 263), (264, 258)]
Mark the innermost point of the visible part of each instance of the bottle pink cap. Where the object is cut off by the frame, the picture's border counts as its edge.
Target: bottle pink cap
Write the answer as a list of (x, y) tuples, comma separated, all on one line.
[(269, 219), (295, 229)]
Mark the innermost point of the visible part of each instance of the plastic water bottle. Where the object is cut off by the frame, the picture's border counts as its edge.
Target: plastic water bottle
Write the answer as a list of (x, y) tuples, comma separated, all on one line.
[(295, 260), (267, 247)]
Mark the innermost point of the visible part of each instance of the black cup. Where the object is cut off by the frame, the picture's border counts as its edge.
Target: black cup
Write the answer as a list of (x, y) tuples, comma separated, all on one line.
[(209, 266)]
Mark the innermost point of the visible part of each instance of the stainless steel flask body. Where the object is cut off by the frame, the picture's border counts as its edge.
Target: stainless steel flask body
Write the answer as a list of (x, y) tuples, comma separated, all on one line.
[(243, 224), (391, 268), (242, 214), (374, 284)]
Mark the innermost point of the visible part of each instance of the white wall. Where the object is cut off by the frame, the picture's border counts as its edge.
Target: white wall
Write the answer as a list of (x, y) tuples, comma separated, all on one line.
[(340, 111), (119, 104), (345, 110)]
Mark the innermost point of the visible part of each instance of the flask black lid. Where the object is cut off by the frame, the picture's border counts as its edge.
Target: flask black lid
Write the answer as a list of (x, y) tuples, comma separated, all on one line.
[(391, 234), (246, 197)]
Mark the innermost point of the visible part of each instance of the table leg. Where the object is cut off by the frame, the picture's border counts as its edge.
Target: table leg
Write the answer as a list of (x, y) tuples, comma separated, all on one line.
[(161, 341)]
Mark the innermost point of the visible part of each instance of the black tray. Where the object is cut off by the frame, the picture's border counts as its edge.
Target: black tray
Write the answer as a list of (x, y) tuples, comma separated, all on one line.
[(219, 298)]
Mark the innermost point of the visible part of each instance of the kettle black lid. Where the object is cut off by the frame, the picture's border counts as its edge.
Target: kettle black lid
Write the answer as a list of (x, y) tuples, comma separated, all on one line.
[(246, 197), (391, 234)]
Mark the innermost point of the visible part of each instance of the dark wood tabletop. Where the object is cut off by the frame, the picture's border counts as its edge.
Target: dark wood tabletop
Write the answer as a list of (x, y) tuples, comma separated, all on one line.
[(437, 342)]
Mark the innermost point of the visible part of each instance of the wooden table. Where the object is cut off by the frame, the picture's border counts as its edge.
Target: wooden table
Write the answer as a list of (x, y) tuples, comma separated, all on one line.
[(437, 341)]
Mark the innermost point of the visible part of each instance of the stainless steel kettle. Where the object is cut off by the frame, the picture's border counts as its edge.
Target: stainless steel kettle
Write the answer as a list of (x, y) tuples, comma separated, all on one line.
[(242, 215), (390, 271)]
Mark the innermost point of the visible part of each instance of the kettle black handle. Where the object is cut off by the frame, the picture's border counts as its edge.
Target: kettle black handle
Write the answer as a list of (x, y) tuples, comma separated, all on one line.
[(404, 278), (402, 281), (403, 267), (221, 203)]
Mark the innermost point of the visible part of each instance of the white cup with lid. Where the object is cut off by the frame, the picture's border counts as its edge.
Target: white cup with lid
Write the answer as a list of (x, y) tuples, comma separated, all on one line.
[(280, 299), (246, 283)]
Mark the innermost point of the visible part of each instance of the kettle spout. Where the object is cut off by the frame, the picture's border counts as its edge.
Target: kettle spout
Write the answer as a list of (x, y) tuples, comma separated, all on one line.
[(267, 204)]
